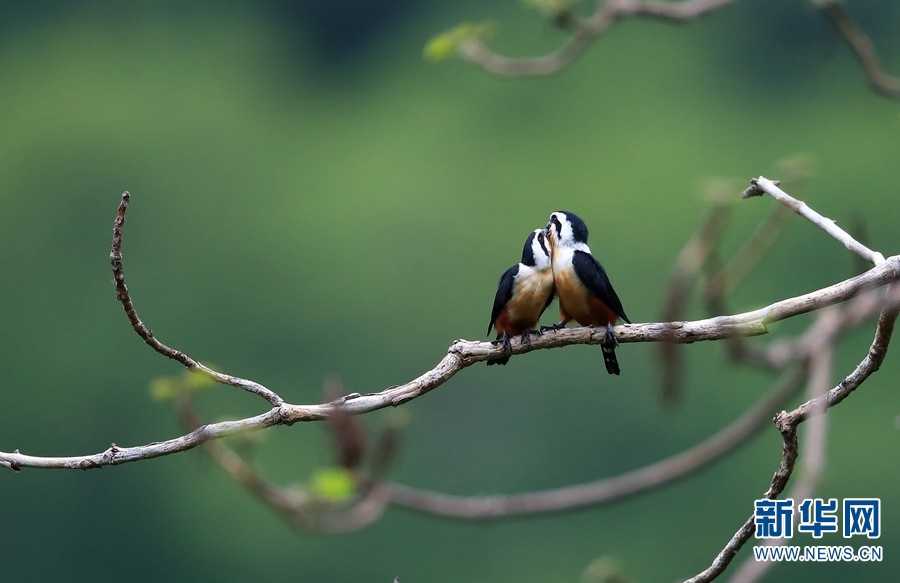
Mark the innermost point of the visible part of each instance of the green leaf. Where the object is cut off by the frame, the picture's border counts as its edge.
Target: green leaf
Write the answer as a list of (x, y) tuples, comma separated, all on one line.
[(162, 388), (165, 388), (335, 484), (445, 45)]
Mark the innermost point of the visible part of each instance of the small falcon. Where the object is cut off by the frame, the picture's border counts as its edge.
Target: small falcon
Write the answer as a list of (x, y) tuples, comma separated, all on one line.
[(525, 291), (584, 291)]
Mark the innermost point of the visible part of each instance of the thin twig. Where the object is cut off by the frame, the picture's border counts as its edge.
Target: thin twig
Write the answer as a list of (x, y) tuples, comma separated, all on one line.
[(753, 250), (692, 257), (787, 424), (760, 185), (299, 509), (813, 451), (115, 258), (880, 81), (583, 34)]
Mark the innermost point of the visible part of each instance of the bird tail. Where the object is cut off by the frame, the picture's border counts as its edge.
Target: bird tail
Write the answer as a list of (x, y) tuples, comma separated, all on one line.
[(501, 360), (609, 359)]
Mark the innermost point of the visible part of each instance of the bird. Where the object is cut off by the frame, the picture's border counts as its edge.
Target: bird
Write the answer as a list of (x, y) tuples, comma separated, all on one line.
[(525, 290), (582, 286)]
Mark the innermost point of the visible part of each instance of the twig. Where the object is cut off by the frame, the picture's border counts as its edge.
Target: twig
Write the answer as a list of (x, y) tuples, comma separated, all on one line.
[(115, 258), (693, 256), (584, 31), (753, 250), (814, 450), (761, 185), (862, 46), (787, 424), (300, 511), (583, 34)]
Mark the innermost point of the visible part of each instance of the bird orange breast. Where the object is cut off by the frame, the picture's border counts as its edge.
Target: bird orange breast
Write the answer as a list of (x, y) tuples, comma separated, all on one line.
[(523, 311), (577, 303)]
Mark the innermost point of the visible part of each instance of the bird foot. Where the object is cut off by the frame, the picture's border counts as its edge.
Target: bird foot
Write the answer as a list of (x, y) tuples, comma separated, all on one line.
[(609, 339), (557, 326), (505, 343), (526, 336)]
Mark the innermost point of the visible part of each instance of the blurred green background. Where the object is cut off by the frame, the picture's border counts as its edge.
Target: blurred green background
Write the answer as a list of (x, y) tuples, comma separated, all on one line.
[(310, 198)]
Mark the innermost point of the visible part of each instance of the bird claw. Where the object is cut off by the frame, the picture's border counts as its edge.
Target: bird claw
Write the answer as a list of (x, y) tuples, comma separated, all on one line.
[(554, 327), (526, 337), (609, 339), (505, 343)]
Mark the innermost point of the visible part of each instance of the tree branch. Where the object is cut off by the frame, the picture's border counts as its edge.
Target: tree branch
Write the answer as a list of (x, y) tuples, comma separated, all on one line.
[(115, 258), (583, 33), (461, 354), (787, 424), (814, 446), (608, 489), (808, 346), (880, 81), (761, 185)]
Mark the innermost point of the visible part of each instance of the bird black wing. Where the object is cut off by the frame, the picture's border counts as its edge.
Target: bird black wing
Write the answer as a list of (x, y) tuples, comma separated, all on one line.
[(594, 277), (504, 293)]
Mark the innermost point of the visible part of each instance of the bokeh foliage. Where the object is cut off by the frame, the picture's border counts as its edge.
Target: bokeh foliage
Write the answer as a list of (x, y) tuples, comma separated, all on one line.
[(312, 198)]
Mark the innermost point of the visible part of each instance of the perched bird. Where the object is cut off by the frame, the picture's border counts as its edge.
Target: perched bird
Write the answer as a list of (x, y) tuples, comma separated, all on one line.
[(525, 291), (584, 292)]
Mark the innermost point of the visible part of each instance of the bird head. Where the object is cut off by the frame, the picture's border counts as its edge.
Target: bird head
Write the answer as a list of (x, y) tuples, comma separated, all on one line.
[(536, 252), (567, 229)]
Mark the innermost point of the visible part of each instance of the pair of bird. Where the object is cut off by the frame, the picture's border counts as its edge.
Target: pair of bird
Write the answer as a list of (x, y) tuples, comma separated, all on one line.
[(566, 269)]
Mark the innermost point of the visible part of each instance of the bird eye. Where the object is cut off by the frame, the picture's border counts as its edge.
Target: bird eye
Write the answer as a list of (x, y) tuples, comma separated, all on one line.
[(554, 222)]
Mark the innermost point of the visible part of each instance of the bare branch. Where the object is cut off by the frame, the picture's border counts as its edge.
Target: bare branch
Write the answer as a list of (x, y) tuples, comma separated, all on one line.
[(461, 354), (787, 424), (464, 353), (583, 34), (760, 185), (584, 31), (813, 344), (115, 258), (720, 563), (299, 509), (608, 489), (880, 81), (814, 450), (693, 256)]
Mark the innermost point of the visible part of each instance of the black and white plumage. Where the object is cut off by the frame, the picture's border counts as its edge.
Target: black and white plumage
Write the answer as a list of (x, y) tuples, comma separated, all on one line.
[(524, 292), (582, 286)]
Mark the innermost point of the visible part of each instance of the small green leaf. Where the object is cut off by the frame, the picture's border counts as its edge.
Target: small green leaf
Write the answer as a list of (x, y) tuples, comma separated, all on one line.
[(334, 484), (194, 381), (165, 388), (162, 389), (445, 45)]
